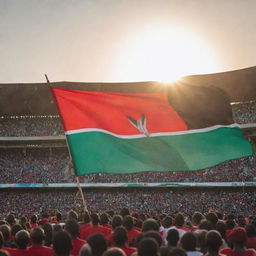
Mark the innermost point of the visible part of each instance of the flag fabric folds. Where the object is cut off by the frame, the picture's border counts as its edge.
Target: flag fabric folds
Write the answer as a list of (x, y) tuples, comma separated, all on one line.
[(139, 127)]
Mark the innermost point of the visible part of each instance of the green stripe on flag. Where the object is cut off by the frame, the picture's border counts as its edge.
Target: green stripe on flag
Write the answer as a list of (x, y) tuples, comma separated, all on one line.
[(97, 152)]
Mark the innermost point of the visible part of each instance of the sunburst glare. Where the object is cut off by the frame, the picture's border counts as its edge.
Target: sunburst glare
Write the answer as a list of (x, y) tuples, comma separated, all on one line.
[(163, 54)]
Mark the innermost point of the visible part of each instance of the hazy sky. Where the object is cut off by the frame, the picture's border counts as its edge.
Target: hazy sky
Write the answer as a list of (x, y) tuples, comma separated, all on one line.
[(124, 40)]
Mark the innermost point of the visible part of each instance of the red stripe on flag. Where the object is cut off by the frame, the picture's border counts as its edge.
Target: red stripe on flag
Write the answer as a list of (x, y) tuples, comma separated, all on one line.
[(110, 111)]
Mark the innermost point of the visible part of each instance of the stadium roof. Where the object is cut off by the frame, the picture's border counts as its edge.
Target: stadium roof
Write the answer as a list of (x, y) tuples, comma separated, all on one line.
[(36, 98)]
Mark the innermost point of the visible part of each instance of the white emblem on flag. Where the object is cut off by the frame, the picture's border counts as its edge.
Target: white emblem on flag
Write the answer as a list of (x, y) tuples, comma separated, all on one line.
[(140, 124)]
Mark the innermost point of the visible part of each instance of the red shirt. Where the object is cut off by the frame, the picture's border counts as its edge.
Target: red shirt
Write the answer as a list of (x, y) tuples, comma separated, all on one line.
[(131, 234), (107, 226), (194, 228), (229, 252), (136, 228), (95, 229), (77, 244), (83, 228), (8, 249), (39, 250), (17, 252), (183, 228), (110, 238), (33, 225), (251, 242), (228, 232)]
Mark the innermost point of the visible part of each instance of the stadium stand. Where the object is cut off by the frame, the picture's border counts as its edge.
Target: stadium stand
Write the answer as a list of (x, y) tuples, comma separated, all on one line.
[(147, 200), (41, 165), (33, 152), (44, 166)]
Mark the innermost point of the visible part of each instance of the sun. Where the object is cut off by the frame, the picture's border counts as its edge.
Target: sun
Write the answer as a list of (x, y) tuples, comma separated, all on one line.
[(162, 54)]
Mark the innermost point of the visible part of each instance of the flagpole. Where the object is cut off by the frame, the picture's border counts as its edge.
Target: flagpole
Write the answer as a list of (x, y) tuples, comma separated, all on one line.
[(77, 177)]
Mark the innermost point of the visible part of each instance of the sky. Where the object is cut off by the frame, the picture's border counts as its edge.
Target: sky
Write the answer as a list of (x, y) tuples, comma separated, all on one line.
[(124, 40)]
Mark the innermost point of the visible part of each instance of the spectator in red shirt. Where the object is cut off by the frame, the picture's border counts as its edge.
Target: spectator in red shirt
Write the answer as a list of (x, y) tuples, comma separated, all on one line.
[(104, 220), (238, 238), (116, 222), (196, 219), (95, 228), (2, 242), (179, 224), (22, 239), (230, 223), (73, 228), (129, 225), (37, 249), (62, 243), (86, 224), (121, 240), (98, 244), (6, 231), (14, 230)]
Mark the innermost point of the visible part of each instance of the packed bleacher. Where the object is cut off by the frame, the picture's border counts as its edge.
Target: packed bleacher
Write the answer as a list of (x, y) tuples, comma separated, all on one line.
[(141, 200), (45, 166), (30, 126), (243, 113), (126, 232), (33, 166)]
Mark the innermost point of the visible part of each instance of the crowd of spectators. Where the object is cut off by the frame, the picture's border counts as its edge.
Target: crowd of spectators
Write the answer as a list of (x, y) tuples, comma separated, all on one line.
[(244, 113), (51, 125), (51, 166), (30, 126), (126, 230), (33, 166), (153, 200)]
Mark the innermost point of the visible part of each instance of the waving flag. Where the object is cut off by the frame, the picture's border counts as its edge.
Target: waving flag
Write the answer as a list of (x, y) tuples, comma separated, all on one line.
[(138, 127)]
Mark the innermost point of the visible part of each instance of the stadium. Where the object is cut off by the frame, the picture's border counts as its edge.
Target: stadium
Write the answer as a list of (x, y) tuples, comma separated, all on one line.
[(128, 128), (36, 178)]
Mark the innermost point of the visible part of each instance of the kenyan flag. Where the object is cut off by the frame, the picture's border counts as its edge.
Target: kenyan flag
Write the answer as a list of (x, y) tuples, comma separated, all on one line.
[(138, 127)]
